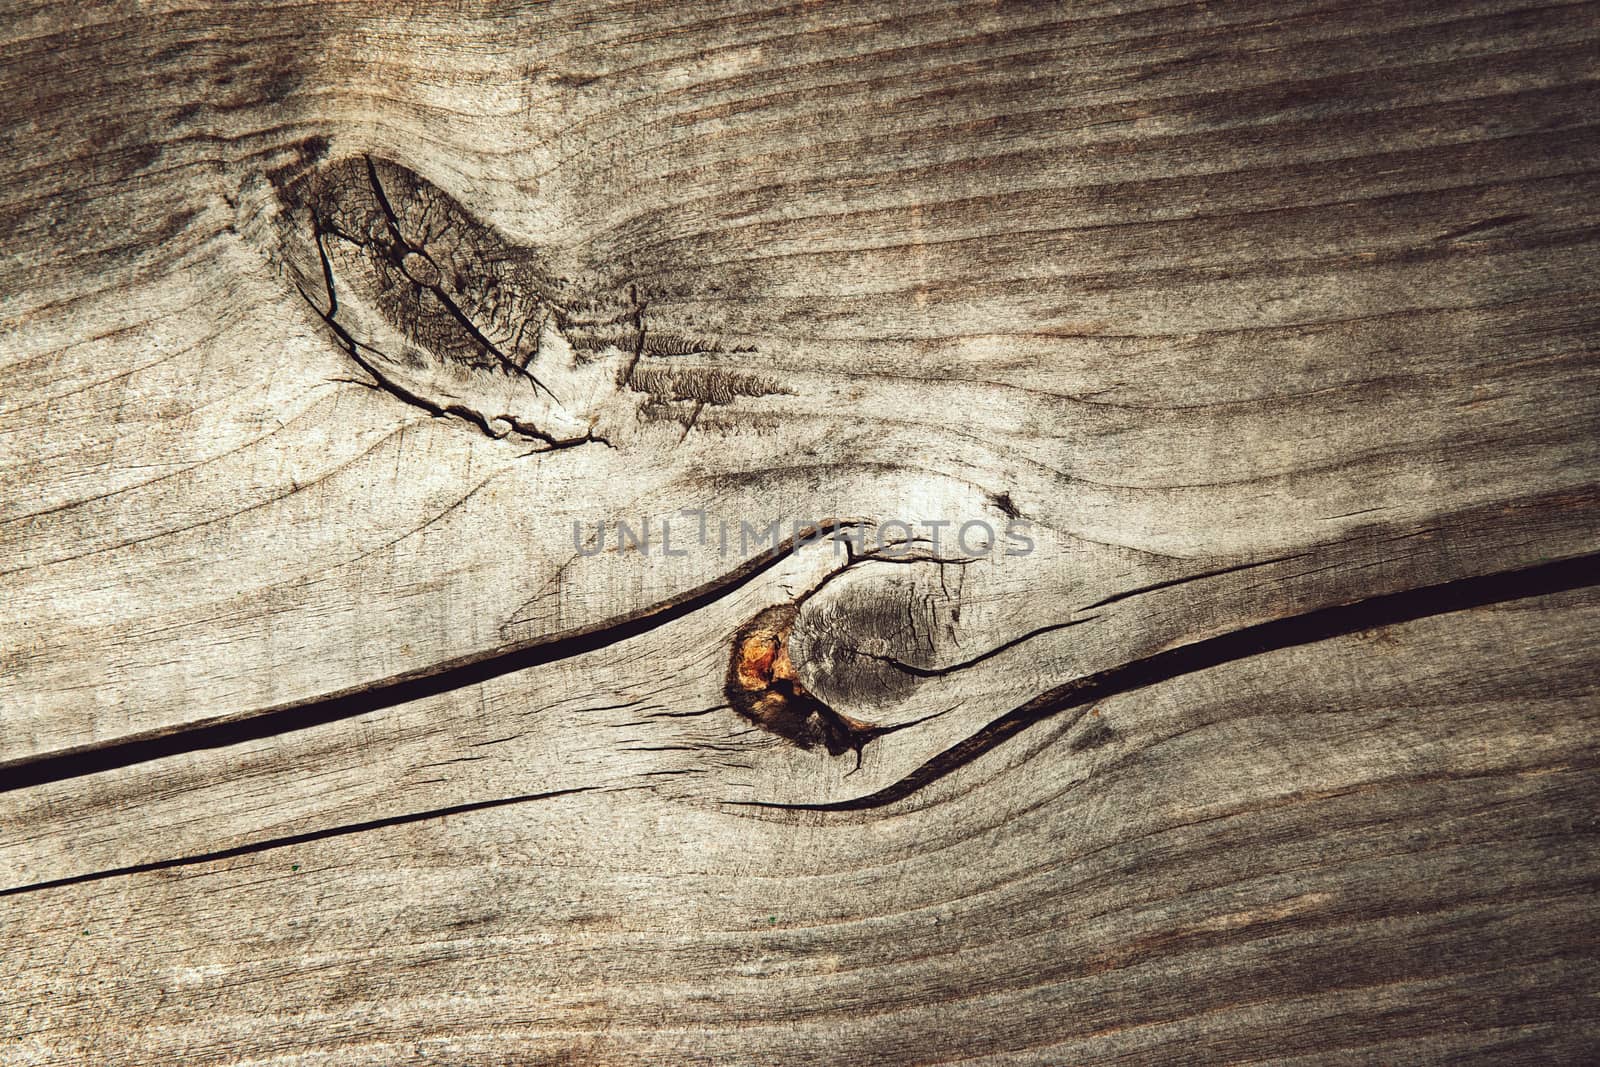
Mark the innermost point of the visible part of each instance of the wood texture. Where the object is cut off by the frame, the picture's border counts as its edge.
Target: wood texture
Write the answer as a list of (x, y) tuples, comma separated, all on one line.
[(324, 741)]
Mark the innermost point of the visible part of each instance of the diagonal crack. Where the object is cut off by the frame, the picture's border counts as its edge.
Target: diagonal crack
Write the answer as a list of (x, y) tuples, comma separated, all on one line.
[(1578, 572), (289, 840), (432, 680)]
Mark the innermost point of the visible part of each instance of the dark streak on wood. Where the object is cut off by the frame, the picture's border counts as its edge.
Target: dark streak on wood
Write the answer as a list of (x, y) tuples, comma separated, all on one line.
[(287, 841), (224, 730), (1462, 594)]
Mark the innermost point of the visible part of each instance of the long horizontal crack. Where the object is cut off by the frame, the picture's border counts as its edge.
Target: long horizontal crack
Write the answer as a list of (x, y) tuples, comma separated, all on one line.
[(1461, 594), (290, 839), (222, 731)]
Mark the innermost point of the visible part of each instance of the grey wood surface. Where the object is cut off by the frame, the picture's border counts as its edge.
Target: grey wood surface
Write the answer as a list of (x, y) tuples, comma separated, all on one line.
[(322, 739)]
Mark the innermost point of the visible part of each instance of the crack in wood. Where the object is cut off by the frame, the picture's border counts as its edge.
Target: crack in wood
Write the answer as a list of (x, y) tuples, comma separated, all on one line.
[(1081, 693), (225, 730), (289, 840), (948, 669)]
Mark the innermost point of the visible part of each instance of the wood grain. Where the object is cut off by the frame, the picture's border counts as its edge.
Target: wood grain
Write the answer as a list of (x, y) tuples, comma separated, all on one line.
[(323, 740)]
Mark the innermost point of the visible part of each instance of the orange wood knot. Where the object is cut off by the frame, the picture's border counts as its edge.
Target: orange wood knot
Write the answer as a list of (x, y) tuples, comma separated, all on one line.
[(764, 687)]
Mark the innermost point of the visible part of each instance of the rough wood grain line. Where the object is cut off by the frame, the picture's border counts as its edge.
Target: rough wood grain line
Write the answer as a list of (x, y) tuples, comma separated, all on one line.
[(225, 730), (516, 734)]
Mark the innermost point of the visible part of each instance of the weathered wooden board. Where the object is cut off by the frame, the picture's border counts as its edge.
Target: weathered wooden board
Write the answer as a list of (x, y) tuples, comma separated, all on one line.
[(323, 739)]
